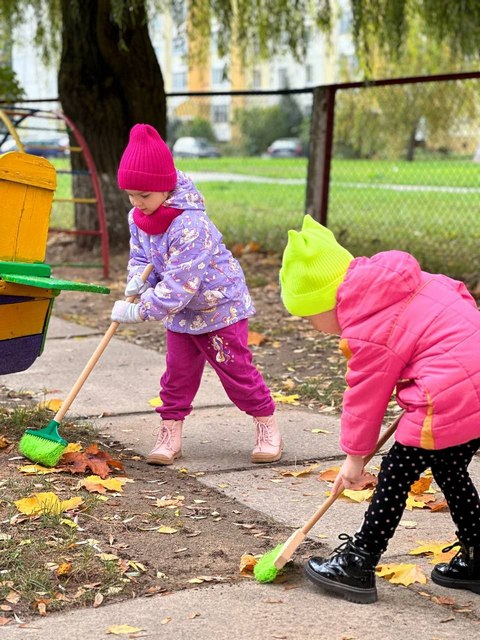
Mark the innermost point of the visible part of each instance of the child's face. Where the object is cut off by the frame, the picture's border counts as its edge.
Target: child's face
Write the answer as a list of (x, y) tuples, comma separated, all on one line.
[(147, 201), (326, 322)]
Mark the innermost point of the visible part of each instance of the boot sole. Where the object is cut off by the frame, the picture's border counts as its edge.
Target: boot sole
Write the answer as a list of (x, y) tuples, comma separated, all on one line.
[(349, 593), (162, 460), (451, 583), (265, 457)]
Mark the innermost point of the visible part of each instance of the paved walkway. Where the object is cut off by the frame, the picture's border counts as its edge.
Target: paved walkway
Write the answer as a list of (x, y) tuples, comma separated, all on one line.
[(115, 397)]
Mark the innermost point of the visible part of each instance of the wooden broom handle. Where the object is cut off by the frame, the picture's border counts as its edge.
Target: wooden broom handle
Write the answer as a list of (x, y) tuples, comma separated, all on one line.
[(384, 437), (94, 358)]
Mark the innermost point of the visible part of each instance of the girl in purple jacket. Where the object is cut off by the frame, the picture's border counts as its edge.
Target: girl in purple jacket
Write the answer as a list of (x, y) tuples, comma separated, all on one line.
[(406, 330), (196, 288)]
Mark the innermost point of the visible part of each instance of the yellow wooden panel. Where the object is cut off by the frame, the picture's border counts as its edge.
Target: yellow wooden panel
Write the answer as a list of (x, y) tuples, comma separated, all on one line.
[(27, 185), (13, 289), (23, 318)]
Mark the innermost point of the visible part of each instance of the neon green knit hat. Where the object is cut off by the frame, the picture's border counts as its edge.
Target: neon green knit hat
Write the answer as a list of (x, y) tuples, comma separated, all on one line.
[(313, 267)]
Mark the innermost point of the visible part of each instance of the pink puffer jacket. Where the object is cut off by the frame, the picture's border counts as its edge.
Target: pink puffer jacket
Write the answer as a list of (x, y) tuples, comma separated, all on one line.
[(418, 332)]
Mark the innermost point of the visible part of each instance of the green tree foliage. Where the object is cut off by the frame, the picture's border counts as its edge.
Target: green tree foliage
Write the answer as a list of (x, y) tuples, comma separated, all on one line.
[(10, 88), (198, 128)]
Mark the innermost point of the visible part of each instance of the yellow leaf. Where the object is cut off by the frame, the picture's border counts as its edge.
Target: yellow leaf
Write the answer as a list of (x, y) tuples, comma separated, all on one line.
[(299, 472), (73, 447), (412, 502), (53, 404), (69, 523), (47, 503), (435, 549), (96, 484), (320, 431), (247, 562), (195, 581), (173, 502), (292, 399), (401, 573), (4, 442), (155, 402), (357, 496), (64, 568), (38, 469), (123, 629), (165, 529)]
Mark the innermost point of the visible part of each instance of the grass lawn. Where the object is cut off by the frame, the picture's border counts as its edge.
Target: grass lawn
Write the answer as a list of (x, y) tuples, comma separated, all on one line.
[(441, 229)]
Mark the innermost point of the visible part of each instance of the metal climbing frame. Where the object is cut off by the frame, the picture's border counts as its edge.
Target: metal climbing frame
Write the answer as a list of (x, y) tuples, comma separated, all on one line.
[(14, 118)]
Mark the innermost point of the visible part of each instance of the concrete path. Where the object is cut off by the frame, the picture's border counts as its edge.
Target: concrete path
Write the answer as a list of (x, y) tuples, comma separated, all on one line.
[(218, 440)]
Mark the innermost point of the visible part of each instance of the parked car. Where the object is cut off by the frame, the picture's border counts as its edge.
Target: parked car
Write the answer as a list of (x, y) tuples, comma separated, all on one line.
[(48, 147), (286, 148), (189, 147)]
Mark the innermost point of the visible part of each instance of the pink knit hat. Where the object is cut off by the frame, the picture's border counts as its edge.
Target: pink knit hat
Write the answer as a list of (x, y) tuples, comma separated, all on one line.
[(146, 163)]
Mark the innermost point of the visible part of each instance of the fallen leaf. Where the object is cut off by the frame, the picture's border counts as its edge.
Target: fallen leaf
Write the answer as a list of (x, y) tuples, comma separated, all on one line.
[(247, 562), (47, 503), (329, 474), (123, 629), (291, 399), (97, 600), (4, 621), (72, 447), (255, 338), (4, 442), (320, 431), (95, 484), (53, 404), (155, 402), (357, 496), (193, 615), (64, 569), (38, 469), (170, 502), (165, 620), (435, 549), (165, 529), (421, 485), (413, 502), (404, 574), (298, 472), (99, 462), (437, 505)]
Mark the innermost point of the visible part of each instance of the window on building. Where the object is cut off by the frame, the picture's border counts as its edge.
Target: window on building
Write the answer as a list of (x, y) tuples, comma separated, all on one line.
[(309, 73), (218, 75), (283, 78), (220, 113), (179, 45), (179, 80)]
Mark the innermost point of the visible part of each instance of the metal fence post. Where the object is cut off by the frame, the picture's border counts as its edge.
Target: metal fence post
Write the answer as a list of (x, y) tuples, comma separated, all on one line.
[(321, 141)]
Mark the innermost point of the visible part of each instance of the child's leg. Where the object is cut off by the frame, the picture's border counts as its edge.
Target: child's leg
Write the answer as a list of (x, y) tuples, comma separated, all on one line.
[(450, 470), (181, 380), (400, 468), (228, 353)]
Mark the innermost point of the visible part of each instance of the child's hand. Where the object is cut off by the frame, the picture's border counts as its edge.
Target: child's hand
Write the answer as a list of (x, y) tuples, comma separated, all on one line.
[(126, 312), (350, 473), (136, 286)]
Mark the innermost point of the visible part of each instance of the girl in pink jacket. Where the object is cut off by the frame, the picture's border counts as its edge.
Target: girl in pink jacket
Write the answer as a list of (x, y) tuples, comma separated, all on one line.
[(416, 333)]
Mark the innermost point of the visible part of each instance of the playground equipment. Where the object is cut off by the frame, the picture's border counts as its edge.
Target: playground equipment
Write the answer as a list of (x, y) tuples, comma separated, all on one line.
[(37, 131), (27, 289)]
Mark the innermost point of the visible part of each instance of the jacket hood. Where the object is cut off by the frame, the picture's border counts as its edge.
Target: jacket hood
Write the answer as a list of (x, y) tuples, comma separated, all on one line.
[(372, 284), (185, 195)]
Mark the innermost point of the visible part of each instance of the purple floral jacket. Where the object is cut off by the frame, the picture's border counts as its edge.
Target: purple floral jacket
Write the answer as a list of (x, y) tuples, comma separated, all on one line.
[(197, 286)]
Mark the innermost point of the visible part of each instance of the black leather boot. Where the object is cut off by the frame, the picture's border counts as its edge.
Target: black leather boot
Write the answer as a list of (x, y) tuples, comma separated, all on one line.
[(463, 570), (349, 572)]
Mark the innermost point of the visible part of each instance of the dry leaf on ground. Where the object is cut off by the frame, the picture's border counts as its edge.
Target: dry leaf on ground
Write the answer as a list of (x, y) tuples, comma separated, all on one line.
[(404, 574), (99, 462)]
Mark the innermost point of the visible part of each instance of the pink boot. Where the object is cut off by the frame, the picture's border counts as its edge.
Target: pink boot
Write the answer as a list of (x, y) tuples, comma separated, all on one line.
[(269, 445), (169, 443)]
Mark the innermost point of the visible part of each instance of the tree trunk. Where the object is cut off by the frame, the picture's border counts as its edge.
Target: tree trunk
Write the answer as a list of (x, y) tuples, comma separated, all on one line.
[(410, 154), (105, 88)]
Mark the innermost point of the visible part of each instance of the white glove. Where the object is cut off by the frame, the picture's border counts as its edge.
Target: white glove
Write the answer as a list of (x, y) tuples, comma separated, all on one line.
[(126, 312), (136, 286)]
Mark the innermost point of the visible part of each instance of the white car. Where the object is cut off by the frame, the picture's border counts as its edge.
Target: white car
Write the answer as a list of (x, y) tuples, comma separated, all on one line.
[(189, 147)]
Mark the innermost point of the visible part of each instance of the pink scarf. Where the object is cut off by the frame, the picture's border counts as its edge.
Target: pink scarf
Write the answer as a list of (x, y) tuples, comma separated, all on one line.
[(156, 222)]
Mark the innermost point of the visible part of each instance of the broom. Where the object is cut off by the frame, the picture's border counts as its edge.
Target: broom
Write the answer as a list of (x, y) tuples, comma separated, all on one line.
[(269, 565), (46, 446)]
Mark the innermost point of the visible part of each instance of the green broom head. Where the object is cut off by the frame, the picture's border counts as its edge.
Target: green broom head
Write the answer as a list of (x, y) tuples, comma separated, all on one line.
[(43, 446), (265, 570)]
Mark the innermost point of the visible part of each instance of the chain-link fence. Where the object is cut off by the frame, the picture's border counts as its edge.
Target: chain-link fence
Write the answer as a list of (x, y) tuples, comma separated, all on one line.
[(401, 166)]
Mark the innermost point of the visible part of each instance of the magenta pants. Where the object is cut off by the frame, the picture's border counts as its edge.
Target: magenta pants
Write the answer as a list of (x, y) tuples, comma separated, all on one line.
[(228, 353)]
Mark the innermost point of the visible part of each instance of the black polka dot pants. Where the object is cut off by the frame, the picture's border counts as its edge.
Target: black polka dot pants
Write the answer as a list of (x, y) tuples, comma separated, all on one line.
[(400, 468)]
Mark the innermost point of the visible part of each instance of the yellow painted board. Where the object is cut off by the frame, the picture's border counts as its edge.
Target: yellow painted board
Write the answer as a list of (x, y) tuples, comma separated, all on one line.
[(14, 289), (23, 318)]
